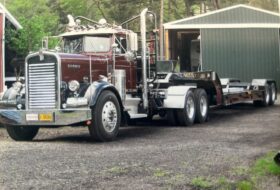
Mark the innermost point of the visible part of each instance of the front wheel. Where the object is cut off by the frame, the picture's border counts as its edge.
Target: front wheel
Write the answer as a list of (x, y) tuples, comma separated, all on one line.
[(19, 133), (187, 115), (106, 117)]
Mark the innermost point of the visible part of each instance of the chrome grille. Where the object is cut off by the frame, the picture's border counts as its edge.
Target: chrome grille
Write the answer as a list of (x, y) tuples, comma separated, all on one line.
[(42, 91)]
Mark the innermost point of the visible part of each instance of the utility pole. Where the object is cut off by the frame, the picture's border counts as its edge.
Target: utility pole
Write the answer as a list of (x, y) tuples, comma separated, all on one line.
[(161, 29)]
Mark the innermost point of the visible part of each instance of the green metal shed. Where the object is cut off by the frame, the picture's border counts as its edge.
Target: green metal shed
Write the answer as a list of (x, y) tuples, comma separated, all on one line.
[(236, 42)]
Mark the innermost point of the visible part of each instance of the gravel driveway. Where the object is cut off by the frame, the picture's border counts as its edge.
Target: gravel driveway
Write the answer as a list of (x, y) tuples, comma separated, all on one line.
[(147, 156)]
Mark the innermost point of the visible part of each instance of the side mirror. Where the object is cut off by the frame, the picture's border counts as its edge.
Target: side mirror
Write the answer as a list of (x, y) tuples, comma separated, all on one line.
[(133, 42), (130, 56), (118, 51), (45, 43), (116, 48)]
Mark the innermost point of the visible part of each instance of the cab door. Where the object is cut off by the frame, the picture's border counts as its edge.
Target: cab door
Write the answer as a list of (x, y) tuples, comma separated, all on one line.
[(125, 62)]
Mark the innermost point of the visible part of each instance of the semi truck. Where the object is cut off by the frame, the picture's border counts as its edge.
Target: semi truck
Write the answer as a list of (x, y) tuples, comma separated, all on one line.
[(105, 76)]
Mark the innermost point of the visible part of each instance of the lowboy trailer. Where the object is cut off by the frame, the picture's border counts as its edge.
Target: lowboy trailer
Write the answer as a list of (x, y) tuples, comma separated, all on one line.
[(100, 78)]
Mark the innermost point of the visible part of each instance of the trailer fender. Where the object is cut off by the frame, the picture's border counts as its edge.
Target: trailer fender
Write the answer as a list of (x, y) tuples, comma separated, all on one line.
[(175, 96), (95, 89), (259, 82)]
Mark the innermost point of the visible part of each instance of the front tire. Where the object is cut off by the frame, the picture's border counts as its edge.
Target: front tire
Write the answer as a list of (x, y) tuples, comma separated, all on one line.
[(186, 116), (106, 117), (19, 133)]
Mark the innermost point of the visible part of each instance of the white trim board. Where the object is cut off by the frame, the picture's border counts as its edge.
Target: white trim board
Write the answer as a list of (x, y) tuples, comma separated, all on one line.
[(220, 26), (10, 17), (169, 24)]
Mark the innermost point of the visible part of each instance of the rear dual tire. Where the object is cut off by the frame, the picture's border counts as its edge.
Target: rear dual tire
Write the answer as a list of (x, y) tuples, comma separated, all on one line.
[(186, 116), (202, 105), (195, 110), (273, 94), (269, 96)]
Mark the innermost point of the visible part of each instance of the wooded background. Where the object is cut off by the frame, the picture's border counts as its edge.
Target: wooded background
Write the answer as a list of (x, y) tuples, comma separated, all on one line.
[(41, 18)]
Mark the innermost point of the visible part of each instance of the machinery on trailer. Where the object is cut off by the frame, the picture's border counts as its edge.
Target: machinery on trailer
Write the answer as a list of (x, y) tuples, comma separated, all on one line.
[(100, 78)]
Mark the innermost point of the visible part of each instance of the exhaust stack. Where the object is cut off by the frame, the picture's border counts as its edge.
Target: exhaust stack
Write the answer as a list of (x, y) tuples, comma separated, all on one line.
[(144, 57)]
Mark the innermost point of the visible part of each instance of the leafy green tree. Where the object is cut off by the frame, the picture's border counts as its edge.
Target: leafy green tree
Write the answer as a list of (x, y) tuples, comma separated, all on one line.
[(37, 20), (29, 38)]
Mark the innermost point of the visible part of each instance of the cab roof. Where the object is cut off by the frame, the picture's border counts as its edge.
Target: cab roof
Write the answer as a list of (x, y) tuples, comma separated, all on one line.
[(93, 31)]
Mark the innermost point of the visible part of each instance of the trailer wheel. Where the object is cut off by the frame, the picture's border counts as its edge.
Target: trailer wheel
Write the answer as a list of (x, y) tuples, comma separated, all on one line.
[(19, 133), (186, 116), (266, 98), (272, 94), (106, 117), (201, 105)]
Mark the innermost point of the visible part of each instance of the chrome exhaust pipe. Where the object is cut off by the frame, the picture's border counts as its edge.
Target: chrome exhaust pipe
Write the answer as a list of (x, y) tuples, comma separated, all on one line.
[(143, 55)]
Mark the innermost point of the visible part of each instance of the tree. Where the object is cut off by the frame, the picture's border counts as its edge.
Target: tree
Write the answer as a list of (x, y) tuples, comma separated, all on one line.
[(29, 38), (265, 4), (216, 4), (37, 20)]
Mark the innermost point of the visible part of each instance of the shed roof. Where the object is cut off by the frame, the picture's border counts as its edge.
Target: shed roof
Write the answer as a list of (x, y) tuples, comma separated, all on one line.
[(10, 17), (239, 16)]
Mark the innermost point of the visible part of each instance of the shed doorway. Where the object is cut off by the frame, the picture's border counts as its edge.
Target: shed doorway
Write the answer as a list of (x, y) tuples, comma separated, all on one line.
[(190, 52), (185, 47)]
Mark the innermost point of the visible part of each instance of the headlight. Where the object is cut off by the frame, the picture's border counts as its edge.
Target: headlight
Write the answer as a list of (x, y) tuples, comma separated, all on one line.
[(74, 85)]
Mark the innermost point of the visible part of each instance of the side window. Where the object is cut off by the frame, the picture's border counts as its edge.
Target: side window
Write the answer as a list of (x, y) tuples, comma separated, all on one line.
[(122, 44)]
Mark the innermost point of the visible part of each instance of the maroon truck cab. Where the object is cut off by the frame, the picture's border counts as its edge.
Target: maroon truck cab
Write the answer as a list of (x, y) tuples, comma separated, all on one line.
[(93, 60)]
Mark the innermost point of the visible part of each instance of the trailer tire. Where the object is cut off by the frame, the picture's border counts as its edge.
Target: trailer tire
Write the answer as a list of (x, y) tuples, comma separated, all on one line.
[(266, 98), (186, 116), (272, 94), (172, 117), (19, 133), (201, 105), (106, 117)]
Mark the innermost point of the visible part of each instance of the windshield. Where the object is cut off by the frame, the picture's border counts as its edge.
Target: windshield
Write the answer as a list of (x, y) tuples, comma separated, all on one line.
[(96, 44), (73, 45)]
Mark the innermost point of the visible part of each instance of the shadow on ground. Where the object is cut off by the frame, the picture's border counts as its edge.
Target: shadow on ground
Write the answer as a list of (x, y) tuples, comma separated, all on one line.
[(143, 128)]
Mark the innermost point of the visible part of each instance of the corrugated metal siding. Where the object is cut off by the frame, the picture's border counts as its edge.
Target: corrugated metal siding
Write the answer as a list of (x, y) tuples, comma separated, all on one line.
[(239, 15), (242, 53)]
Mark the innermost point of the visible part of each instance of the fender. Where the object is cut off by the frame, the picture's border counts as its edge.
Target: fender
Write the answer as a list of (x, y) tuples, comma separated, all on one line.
[(96, 88), (175, 96), (259, 84)]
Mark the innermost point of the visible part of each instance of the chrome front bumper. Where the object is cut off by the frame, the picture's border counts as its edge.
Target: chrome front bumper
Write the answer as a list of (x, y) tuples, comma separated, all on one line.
[(34, 117)]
